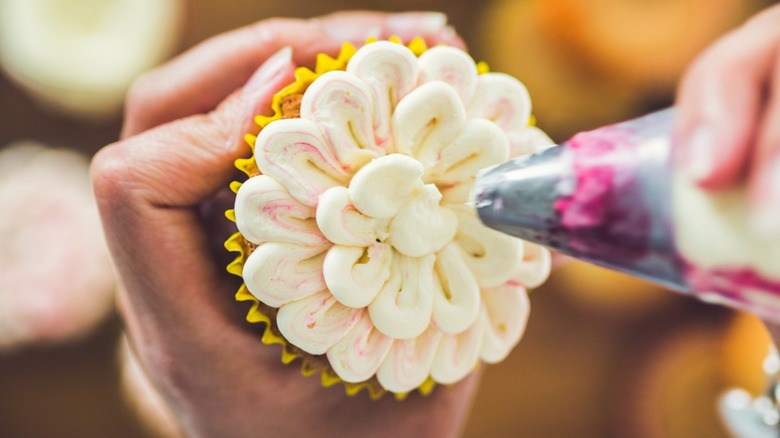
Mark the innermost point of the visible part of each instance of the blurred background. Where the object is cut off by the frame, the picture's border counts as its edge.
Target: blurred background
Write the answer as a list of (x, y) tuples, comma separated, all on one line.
[(604, 355)]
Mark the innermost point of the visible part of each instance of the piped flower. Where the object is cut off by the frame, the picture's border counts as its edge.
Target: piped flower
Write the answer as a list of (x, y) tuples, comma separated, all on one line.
[(354, 222)]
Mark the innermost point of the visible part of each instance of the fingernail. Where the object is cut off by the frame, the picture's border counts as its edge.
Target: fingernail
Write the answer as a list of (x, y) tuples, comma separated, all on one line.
[(274, 65), (765, 219), (700, 153), (352, 32), (410, 24), (251, 98)]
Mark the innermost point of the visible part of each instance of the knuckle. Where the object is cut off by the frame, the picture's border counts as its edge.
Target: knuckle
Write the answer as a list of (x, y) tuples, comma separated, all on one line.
[(719, 65), (110, 175)]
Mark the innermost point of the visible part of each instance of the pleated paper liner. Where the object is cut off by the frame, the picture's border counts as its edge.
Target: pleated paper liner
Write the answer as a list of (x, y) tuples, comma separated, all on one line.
[(285, 104)]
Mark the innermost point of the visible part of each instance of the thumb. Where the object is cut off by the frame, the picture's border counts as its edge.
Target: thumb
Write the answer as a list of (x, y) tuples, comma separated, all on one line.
[(181, 163), (149, 188)]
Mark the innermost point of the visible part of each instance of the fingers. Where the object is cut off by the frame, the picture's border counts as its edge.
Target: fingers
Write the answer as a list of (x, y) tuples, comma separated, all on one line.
[(721, 100), (431, 26), (198, 80), (148, 228), (149, 189), (764, 179)]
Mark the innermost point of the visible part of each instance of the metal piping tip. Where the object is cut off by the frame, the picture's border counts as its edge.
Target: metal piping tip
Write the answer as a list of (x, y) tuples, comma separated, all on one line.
[(601, 197), (518, 197)]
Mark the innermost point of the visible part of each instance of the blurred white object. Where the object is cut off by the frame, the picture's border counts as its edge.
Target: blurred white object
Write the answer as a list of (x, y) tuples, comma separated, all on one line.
[(56, 277), (80, 56), (143, 397), (746, 416)]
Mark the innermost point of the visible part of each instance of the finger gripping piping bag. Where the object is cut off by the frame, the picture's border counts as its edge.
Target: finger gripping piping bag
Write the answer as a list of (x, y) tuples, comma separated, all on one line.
[(612, 197)]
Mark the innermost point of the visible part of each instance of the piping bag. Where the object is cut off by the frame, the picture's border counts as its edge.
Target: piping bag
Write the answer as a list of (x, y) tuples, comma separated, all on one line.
[(612, 197)]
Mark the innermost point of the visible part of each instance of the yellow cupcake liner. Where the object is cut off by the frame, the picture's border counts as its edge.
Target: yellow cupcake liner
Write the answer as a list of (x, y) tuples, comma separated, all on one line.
[(260, 313)]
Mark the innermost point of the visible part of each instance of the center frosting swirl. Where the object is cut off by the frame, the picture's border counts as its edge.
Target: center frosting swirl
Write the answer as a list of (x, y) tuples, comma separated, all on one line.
[(364, 241)]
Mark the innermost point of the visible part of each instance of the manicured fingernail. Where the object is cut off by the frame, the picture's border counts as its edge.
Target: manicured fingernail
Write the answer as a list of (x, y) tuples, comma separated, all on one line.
[(410, 24), (700, 153), (274, 65), (765, 219)]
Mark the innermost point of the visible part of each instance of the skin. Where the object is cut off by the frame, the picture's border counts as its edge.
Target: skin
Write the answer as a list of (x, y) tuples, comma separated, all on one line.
[(729, 102), (158, 192)]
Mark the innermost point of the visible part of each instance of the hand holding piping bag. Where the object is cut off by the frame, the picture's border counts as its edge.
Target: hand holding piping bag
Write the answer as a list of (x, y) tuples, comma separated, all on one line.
[(728, 126), (183, 130)]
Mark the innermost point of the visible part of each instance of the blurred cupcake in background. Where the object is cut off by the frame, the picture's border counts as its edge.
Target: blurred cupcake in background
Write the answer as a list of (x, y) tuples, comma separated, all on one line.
[(57, 280), (78, 57)]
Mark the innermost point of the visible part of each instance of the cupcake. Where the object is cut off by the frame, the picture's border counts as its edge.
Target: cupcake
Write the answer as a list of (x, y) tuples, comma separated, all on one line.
[(356, 241), (57, 282)]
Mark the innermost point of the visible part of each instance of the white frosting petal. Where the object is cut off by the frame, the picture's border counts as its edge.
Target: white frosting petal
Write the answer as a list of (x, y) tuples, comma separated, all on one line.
[(505, 314), (457, 355), (501, 99), (450, 65), (391, 72), (456, 296), (265, 211), (479, 145), (341, 106), (409, 361), (314, 324), (358, 355), (535, 267), (457, 193), (382, 186), (355, 275), (342, 223), (404, 306), (277, 273), (422, 216), (428, 119), (493, 257), (528, 141), (294, 153)]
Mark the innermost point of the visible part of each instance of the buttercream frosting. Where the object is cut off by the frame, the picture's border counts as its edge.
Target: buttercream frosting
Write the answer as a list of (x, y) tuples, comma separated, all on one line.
[(364, 241), (699, 215)]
